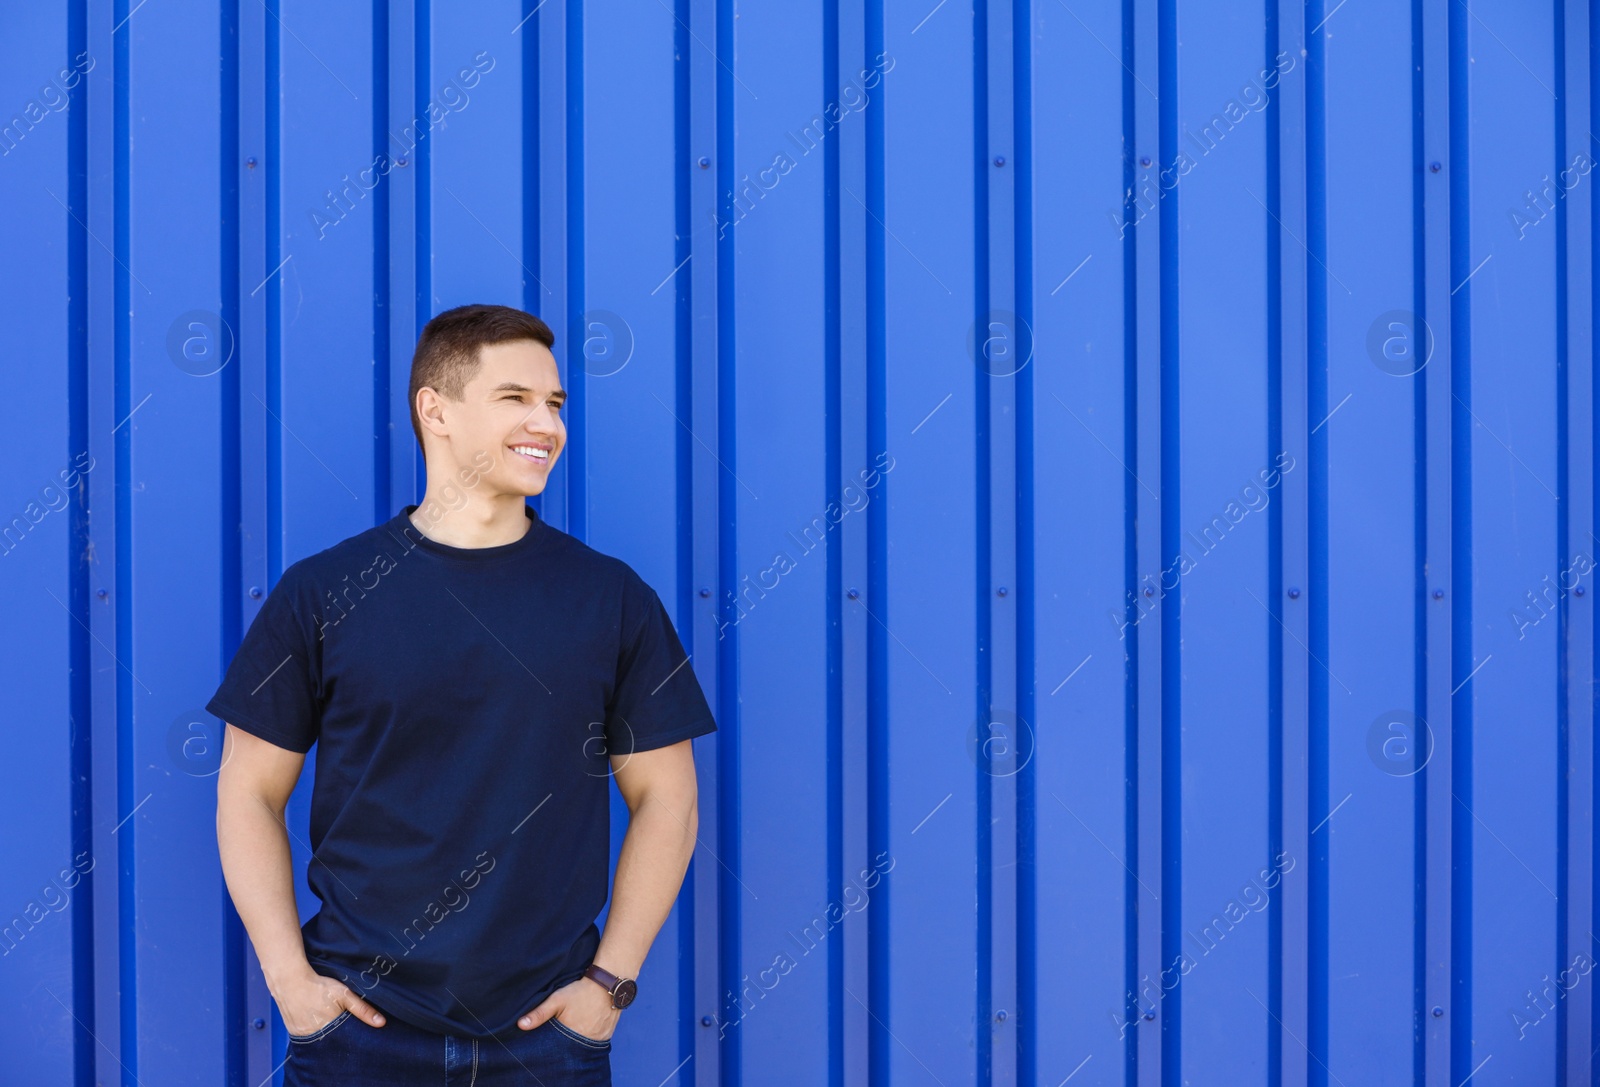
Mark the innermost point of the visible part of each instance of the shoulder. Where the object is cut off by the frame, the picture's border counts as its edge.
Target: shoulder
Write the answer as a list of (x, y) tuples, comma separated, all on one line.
[(606, 578), (348, 558), (597, 566)]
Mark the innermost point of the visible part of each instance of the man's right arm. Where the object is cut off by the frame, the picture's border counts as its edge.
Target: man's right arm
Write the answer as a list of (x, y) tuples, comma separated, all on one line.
[(253, 789)]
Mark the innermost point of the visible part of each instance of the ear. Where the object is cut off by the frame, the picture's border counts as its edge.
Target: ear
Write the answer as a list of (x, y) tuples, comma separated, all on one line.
[(430, 412)]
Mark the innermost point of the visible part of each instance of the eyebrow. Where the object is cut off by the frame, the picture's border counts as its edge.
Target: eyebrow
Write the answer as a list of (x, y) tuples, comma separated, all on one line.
[(513, 387)]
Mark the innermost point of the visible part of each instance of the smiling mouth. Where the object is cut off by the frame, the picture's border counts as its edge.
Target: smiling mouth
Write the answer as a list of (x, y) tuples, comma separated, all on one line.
[(535, 453)]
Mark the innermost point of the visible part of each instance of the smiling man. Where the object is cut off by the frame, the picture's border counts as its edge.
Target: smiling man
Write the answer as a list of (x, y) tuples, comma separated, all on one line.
[(473, 678)]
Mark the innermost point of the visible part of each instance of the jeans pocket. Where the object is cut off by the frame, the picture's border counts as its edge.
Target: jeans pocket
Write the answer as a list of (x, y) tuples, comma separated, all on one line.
[(322, 1031), (592, 1043)]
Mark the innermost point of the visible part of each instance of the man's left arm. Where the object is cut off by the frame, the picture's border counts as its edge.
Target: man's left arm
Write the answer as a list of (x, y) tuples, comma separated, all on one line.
[(662, 795)]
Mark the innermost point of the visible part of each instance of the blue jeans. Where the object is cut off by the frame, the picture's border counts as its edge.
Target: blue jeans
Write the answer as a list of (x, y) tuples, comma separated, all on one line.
[(350, 1053)]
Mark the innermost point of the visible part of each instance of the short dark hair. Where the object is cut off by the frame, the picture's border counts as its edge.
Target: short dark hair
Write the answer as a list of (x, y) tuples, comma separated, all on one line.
[(447, 355)]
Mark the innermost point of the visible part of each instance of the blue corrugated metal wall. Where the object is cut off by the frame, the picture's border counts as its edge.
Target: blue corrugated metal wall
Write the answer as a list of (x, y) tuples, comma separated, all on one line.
[(1125, 475)]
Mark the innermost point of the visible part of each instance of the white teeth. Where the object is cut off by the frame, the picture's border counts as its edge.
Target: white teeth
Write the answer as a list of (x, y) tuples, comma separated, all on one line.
[(530, 451)]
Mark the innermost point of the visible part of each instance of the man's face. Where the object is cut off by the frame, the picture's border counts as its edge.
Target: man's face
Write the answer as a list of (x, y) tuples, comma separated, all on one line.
[(511, 411)]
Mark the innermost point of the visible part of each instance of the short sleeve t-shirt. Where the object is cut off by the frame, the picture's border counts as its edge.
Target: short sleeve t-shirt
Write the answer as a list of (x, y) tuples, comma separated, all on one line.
[(464, 703)]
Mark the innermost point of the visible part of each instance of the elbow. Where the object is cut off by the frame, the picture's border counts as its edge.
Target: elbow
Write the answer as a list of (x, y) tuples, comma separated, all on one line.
[(238, 799), (680, 815)]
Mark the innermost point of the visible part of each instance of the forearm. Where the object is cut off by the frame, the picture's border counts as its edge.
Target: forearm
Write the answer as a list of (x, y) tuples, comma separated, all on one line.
[(655, 855), (258, 869)]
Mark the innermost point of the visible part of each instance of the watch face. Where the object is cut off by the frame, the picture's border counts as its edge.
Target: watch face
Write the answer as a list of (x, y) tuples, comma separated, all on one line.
[(625, 993)]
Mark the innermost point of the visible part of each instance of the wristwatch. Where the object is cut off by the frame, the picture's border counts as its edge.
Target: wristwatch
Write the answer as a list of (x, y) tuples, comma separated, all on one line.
[(622, 990)]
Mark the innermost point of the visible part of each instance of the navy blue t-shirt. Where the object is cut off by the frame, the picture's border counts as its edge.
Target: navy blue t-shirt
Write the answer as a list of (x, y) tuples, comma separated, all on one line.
[(464, 702)]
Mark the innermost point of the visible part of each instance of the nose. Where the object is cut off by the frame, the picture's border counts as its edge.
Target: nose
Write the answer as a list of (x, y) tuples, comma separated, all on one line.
[(543, 421)]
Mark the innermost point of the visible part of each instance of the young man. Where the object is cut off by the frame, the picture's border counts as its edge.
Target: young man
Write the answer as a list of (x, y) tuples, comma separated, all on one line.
[(473, 678)]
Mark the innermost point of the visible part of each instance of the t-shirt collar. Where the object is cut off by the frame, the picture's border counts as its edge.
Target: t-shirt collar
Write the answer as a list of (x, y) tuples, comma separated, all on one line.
[(403, 529)]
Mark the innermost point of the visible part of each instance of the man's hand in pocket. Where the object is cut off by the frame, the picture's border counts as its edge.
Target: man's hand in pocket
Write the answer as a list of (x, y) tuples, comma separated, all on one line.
[(581, 1005), (312, 1001)]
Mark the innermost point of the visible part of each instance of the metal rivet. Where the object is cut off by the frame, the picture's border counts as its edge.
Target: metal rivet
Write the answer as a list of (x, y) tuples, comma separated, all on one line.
[(1294, 594), (250, 164), (705, 163), (1149, 1015), (999, 160), (1149, 592), (255, 592), (1438, 594), (705, 592), (101, 593), (706, 1020), (259, 1024), (854, 594), (1437, 1012), (1001, 590), (1578, 591), (1000, 1015), (399, 162), (1145, 161), (1435, 167)]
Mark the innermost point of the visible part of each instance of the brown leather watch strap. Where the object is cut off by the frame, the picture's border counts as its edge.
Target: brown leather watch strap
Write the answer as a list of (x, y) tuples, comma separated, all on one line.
[(622, 990), (608, 980)]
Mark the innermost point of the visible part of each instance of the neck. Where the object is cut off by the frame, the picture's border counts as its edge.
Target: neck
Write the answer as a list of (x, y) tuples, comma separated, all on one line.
[(482, 521)]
